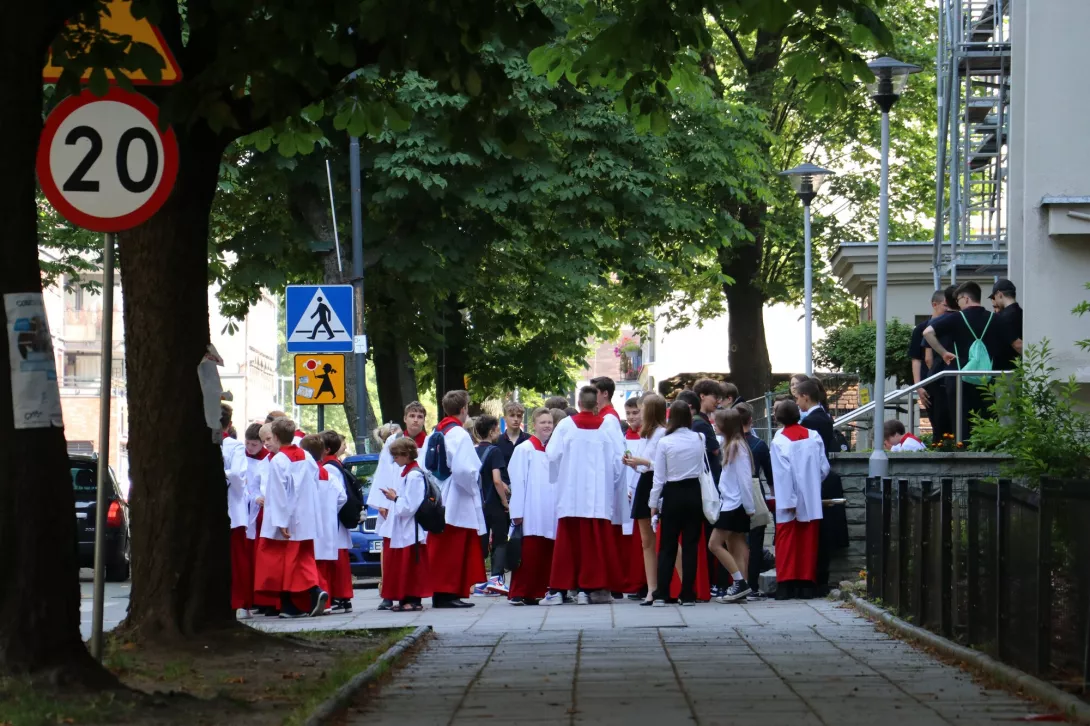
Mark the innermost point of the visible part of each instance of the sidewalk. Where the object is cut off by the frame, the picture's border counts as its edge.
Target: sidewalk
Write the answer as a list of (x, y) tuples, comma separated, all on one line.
[(792, 663)]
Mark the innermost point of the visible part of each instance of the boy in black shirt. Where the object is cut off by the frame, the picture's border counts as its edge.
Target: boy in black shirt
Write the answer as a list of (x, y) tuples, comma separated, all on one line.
[(962, 329), (495, 493), (933, 397), (1009, 313), (513, 414)]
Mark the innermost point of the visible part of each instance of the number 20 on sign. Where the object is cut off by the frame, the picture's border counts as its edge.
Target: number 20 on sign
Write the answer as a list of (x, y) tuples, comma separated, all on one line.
[(103, 162)]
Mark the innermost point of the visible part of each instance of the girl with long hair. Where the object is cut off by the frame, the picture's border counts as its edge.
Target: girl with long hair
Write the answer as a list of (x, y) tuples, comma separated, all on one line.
[(728, 540), (652, 429)]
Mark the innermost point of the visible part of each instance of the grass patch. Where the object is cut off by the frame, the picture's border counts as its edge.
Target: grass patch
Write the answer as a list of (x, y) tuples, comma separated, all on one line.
[(22, 703), (311, 694)]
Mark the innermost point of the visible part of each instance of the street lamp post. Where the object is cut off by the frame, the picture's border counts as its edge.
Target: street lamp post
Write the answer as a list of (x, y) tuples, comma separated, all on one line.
[(806, 179), (891, 77)]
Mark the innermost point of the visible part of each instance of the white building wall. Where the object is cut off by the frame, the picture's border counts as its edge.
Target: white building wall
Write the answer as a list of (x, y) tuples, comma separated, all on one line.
[(1050, 143), (249, 357)]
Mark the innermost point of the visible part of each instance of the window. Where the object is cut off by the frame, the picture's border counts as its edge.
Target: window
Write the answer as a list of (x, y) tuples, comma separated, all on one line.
[(922, 319)]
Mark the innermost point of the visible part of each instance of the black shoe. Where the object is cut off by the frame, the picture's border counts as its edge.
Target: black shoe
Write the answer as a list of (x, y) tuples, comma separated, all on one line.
[(647, 603), (617, 595), (385, 604), (318, 603), (532, 601), (635, 596), (270, 612), (737, 591), (452, 604), (517, 601), (341, 607)]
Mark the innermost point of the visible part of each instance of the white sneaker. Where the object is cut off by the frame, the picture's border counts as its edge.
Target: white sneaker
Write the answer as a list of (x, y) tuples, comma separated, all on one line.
[(553, 598), (601, 597), (480, 589), (582, 599), (243, 614), (496, 585), (659, 604)]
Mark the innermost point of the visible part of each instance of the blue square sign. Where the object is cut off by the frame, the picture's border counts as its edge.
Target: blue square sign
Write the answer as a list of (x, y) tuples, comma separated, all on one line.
[(320, 318)]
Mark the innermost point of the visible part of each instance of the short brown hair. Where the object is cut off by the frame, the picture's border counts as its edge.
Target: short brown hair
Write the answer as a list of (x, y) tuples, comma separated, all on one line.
[(404, 446), (283, 429), (484, 424), (560, 402), (331, 441), (225, 416), (273, 415), (416, 406), (632, 402), (558, 414), (588, 398), (708, 387), (746, 411), (729, 390), (541, 411), (968, 288), (787, 412), (512, 407), (604, 384), (809, 388), (312, 444), (253, 432), (893, 427), (454, 402)]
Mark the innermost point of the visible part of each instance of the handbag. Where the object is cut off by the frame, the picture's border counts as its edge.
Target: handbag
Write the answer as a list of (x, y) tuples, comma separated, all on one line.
[(761, 517), (513, 557), (709, 493)]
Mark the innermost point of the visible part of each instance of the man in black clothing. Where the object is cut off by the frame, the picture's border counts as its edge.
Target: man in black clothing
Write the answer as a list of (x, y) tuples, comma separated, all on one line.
[(1009, 313), (814, 417), (971, 323), (513, 414), (933, 396)]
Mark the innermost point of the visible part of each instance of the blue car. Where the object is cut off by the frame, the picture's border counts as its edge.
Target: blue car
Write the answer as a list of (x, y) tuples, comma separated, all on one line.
[(366, 553)]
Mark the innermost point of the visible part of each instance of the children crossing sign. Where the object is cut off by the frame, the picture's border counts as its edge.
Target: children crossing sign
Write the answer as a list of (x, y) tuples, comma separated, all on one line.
[(320, 318), (319, 379)]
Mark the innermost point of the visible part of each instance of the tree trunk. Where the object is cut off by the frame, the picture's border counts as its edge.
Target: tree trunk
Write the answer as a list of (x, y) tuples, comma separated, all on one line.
[(39, 597), (750, 368), (181, 573), (396, 379), (450, 359)]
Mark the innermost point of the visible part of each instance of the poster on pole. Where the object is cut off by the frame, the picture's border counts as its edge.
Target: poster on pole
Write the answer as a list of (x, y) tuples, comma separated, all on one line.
[(35, 398)]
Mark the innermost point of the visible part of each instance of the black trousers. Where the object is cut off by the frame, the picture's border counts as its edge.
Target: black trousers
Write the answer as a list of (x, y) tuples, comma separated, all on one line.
[(972, 401), (756, 541), (497, 522), (682, 515), (939, 412)]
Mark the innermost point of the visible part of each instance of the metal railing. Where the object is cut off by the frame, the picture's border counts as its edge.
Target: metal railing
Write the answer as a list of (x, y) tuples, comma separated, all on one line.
[(866, 411)]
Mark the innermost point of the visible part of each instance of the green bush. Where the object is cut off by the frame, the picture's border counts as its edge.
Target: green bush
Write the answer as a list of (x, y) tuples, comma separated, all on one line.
[(1034, 418), (850, 349)]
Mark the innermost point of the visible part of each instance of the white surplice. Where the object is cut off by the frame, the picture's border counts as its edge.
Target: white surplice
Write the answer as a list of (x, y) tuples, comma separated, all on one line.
[(257, 471), (798, 468), (462, 491), (533, 494), (387, 475), (344, 536), (234, 467), (587, 473), (403, 530), (632, 480), (331, 496), (622, 513), (291, 496)]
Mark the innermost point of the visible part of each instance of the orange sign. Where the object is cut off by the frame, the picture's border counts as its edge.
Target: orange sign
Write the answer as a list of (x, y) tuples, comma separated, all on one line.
[(121, 22), (319, 378)]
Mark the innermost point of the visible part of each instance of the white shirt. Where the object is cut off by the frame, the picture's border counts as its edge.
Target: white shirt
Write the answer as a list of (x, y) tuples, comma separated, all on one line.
[(234, 467), (798, 467), (533, 494), (632, 480), (680, 455), (403, 530), (909, 443), (650, 448), (587, 470), (736, 482)]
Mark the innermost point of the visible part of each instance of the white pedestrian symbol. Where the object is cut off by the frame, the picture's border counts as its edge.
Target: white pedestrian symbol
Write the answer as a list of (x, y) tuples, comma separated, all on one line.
[(318, 318)]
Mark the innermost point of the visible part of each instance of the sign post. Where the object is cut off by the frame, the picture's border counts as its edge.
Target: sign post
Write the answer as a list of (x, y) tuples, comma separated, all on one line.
[(319, 379)]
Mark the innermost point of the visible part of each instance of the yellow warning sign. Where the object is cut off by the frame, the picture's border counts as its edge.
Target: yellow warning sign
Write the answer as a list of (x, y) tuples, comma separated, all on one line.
[(120, 21), (319, 378)]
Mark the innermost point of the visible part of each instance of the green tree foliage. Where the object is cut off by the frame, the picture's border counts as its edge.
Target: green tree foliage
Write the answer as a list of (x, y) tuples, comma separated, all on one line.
[(1082, 309), (850, 349), (1036, 419)]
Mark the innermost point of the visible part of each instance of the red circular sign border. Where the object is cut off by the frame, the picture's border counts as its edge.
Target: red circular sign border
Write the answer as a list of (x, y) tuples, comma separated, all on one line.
[(88, 221)]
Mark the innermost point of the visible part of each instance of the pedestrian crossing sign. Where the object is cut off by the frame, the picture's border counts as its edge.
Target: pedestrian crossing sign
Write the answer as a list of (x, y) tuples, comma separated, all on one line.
[(319, 379), (320, 318)]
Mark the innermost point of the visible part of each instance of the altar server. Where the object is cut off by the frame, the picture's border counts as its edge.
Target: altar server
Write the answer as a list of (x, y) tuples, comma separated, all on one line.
[(238, 509), (407, 577), (533, 505)]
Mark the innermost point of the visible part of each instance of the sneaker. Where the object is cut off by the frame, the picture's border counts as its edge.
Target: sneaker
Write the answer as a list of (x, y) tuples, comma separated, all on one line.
[(582, 599), (688, 603), (385, 604), (717, 591), (481, 589), (601, 597), (572, 596), (319, 603), (737, 591), (553, 598), (496, 585), (658, 604), (341, 607), (293, 616), (243, 614), (517, 601)]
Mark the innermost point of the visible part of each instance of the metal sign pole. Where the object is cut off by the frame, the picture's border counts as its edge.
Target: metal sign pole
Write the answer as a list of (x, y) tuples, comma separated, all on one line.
[(106, 379), (321, 418), (359, 347)]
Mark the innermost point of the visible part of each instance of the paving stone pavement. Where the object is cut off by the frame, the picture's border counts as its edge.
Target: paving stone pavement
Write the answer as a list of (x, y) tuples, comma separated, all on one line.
[(796, 663)]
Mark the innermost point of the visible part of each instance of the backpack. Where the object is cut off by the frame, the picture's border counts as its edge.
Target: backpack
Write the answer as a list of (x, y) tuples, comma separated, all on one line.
[(435, 454), (979, 358), (349, 514), (431, 515)]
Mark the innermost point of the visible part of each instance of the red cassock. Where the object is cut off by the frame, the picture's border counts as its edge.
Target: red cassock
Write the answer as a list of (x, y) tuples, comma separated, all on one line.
[(335, 576), (800, 539), (407, 572), (702, 587), (531, 579), (262, 599), (585, 556), (635, 577), (242, 570), (285, 566), (455, 560)]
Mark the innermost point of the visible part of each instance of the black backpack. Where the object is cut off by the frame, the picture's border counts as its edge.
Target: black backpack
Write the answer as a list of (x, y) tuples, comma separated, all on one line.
[(349, 514)]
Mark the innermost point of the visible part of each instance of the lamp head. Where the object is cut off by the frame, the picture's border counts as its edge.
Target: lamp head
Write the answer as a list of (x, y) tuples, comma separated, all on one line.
[(890, 79), (806, 179)]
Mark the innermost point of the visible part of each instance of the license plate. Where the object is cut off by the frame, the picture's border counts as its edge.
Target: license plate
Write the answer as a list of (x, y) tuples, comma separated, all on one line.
[(376, 546), (81, 515)]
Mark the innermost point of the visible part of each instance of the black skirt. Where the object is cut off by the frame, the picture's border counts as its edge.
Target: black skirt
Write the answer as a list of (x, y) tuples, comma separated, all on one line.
[(736, 520), (640, 508)]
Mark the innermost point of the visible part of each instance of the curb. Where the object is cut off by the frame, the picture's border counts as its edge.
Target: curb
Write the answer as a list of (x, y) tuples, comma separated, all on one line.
[(344, 695), (1070, 706)]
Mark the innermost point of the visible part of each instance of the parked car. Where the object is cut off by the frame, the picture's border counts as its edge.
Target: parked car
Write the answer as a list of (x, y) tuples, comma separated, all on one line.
[(366, 553), (84, 484)]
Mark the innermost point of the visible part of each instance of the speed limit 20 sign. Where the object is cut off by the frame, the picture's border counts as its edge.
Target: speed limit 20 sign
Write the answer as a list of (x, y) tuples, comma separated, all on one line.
[(103, 163)]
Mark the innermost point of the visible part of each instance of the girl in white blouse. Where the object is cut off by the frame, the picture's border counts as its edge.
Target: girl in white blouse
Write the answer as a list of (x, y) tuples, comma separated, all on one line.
[(652, 429), (728, 540)]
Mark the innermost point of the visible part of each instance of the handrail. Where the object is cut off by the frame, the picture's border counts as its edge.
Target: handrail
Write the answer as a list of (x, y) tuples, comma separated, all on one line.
[(867, 410)]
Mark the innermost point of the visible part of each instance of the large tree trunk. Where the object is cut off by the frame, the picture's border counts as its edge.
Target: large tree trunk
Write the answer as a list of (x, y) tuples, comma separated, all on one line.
[(750, 368), (180, 530), (39, 572), (396, 378), (451, 358)]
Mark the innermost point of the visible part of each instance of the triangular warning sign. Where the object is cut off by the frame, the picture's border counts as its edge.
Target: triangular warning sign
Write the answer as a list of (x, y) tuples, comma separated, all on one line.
[(319, 323), (120, 21)]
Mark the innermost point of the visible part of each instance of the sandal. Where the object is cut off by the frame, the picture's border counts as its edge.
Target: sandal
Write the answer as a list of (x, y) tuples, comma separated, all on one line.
[(407, 608)]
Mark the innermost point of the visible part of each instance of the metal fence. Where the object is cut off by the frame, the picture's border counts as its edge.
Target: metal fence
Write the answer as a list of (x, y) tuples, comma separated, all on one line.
[(993, 565)]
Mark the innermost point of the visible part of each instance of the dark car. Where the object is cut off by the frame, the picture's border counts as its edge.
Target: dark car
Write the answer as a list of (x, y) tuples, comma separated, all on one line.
[(366, 553), (84, 477)]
